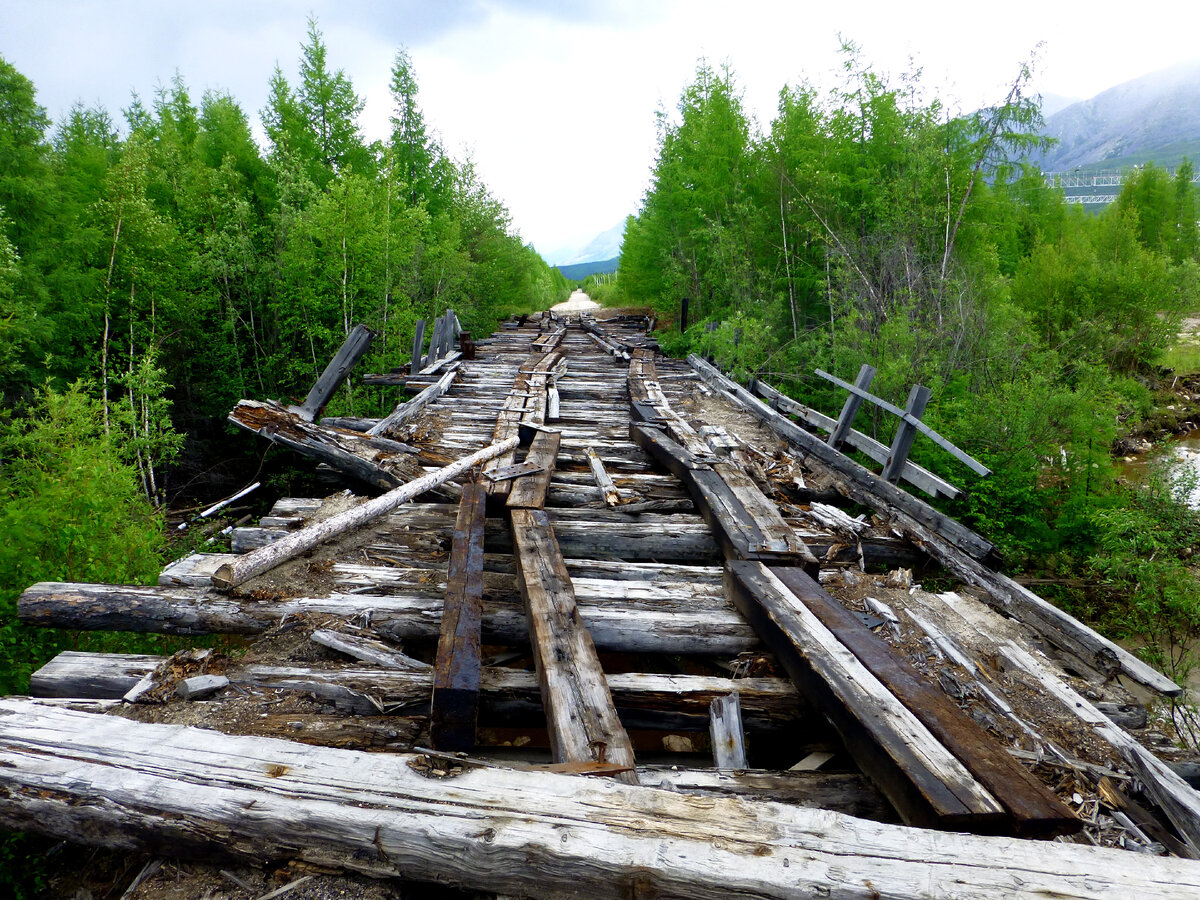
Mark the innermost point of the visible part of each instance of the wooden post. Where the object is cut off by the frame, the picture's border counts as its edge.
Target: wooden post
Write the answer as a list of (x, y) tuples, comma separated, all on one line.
[(418, 345), (266, 558), (850, 408), (457, 669), (918, 399), (435, 342), (725, 731), (351, 351)]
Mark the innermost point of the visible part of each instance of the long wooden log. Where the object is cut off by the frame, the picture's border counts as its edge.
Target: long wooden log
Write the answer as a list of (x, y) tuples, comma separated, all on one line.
[(266, 558), (580, 715), (455, 704), (689, 625), (925, 783), (166, 788), (1035, 811), (506, 695)]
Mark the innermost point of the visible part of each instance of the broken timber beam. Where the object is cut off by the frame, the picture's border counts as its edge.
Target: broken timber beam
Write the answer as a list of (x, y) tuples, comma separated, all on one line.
[(926, 784), (266, 558), (721, 492), (529, 491), (582, 721), (1035, 811), (455, 704), (648, 700), (406, 410), (357, 342), (725, 732), (107, 780)]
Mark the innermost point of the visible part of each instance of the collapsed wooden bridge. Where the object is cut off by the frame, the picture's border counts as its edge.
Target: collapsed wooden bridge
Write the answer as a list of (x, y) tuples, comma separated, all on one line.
[(616, 628)]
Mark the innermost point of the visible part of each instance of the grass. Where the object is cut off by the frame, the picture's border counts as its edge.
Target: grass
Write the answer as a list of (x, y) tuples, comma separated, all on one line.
[(1183, 358)]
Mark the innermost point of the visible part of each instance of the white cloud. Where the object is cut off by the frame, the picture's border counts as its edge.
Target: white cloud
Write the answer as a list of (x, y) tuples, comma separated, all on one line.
[(556, 100)]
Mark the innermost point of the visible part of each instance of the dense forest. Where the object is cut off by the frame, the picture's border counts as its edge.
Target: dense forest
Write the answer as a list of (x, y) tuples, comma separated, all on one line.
[(154, 272), (866, 225)]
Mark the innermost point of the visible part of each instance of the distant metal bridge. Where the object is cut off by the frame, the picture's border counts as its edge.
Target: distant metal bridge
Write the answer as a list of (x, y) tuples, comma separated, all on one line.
[(1069, 181)]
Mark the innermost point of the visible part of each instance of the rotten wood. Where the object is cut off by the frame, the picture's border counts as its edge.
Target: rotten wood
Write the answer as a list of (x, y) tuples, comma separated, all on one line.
[(455, 703), (357, 342), (580, 715), (529, 491)]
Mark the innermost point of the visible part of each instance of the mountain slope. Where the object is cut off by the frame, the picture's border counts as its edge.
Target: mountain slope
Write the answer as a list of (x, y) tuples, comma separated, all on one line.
[(1133, 119)]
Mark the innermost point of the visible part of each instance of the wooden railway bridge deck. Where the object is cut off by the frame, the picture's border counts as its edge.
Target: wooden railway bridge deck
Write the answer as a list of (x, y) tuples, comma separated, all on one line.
[(658, 641)]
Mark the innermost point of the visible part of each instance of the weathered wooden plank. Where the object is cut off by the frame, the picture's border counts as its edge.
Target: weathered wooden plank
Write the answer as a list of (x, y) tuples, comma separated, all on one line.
[(922, 780), (357, 342), (367, 650), (266, 558), (1035, 811), (914, 474), (611, 496), (866, 374), (906, 431), (455, 704), (582, 721), (725, 731), (103, 779), (530, 491), (415, 363)]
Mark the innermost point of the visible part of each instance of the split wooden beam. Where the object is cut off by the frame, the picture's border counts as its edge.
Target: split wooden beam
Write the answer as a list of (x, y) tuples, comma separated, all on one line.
[(266, 558), (726, 734), (529, 491), (1035, 811), (926, 783), (455, 703), (580, 715), (357, 342), (604, 481), (107, 780)]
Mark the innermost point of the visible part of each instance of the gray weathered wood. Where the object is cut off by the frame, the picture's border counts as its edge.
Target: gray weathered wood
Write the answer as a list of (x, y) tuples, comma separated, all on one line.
[(266, 558), (368, 650), (357, 343), (580, 716), (418, 404), (455, 703), (415, 365), (965, 458), (603, 480), (845, 420), (923, 780), (725, 730), (918, 399), (103, 779), (529, 491)]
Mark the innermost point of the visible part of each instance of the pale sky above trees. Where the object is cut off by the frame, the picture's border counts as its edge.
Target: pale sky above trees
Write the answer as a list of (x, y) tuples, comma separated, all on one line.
[(556, 100)]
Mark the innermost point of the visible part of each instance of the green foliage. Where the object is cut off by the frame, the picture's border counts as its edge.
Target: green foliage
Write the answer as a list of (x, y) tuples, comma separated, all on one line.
[(867, 226), (70, 510)]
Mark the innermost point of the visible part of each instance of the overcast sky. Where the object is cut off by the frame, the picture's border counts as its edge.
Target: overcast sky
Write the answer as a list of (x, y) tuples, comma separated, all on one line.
[(556, 100)]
